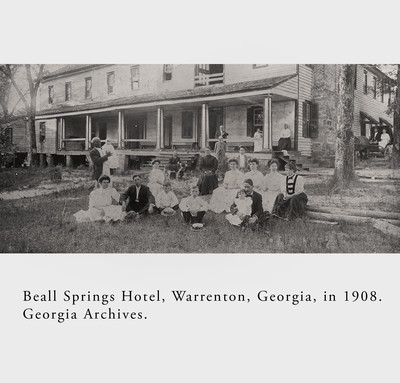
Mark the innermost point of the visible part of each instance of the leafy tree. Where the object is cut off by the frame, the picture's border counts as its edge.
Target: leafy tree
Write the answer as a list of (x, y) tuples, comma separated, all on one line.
[(34, 76)]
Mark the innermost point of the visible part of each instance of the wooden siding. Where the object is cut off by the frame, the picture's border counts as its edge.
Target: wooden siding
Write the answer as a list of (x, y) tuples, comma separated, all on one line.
[(19, 136), (50, 145), (305, 94), (366, 102)]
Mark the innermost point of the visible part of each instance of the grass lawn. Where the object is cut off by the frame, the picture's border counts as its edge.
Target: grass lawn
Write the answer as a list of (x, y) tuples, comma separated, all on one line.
[(45, 225)]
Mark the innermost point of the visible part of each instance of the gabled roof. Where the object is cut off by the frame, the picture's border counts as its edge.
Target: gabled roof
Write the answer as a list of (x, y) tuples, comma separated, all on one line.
[(205, 91), (70, 69)]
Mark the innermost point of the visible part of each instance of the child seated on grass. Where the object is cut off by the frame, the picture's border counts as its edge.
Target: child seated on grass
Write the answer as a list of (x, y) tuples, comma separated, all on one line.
[(166, 199), (193, 207), (243, 205)]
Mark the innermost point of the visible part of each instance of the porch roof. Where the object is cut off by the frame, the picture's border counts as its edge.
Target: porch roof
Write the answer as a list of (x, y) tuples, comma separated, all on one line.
[(208, 92), (369, 118)]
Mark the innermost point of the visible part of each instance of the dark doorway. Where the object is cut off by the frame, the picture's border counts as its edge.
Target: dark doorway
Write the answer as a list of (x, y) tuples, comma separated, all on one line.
[(167, 132), (103, 130), (135, 129), (216, 119)]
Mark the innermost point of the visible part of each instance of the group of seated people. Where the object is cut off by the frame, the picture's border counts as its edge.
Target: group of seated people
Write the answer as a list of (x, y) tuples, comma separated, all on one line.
[(382, 139), (249, 197)]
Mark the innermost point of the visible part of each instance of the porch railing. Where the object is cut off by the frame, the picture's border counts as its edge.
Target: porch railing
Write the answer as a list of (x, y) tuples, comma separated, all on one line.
[(73, 144), (208, 79)]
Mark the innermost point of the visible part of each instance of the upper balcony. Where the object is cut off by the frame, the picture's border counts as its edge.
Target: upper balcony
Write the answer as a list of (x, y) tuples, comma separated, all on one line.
[(208, 74)]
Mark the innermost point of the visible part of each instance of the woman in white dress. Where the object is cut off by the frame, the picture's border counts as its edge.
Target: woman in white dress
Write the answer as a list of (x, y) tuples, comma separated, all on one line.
[(156, 178), (100, 204), (223, 196), (258, 137), (271, 186), (255, 175), (112, 161), (385, 139)]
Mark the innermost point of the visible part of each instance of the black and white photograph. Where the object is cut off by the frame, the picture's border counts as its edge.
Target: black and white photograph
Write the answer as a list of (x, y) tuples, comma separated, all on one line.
[(163, 220), (209, 158)]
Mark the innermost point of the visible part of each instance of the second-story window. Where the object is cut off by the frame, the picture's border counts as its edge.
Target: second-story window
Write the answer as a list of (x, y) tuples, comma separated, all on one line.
[(51, 94), (135, 77), (68, 91), (88, 88), (374, 87), (110, 82), (365, 82), (168, 72)]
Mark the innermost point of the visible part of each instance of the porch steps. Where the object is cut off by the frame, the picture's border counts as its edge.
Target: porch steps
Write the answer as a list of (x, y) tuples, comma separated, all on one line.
[(302, 162)]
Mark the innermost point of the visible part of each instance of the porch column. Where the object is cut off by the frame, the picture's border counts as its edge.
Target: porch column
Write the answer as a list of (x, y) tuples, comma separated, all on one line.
[(204, 125), (267, 131), (120, 128), (160, 128), (88, 131), (61, 133)]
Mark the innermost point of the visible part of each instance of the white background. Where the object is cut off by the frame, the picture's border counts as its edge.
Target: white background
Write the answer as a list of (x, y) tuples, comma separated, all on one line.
[(203, 342)]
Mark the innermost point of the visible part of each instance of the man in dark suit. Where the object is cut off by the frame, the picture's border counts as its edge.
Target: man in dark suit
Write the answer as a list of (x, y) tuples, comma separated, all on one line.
[(375, 136), (257, 210), (137, 199), (96, 155)]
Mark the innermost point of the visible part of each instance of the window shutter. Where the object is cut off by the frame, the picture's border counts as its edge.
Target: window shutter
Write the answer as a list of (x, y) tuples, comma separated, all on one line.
[(306, 122), (250, 126), (314, 121)]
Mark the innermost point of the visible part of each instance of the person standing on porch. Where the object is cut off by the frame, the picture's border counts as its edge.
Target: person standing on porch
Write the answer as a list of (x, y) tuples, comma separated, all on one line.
[(99, 157), (285, 142), (220, 151), (242, 160), (258, 137), (221, 132), (384, 140), (208, 180)]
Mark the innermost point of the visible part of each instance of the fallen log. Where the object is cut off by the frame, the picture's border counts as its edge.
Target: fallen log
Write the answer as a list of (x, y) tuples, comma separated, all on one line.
[(354, 212), (386, 227), (356, 220)]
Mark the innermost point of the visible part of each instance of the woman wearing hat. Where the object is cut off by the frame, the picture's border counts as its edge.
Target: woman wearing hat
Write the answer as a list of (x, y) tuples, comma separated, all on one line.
[(291, 202), (272, 185), (208, 180), (223, 197)]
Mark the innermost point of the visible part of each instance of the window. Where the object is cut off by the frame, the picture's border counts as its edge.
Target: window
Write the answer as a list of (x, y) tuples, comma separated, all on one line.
[(187, 124), (135, 77), (365, 82), (42, 132), (51, 94), (389, 90), (258, 117), (68, 91), (110, 82), (255, 66), (374, 87), (168, 72), (382, 91), (310, 120), (88, 88)]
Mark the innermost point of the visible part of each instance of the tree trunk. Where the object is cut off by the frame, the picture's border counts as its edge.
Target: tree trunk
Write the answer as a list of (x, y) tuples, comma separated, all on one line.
[(396, 125), (344, 158)]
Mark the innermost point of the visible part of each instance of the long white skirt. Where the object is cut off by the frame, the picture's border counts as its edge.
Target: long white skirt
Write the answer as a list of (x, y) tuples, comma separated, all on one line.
[(108, 213), (222, 199), (233, 219)]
